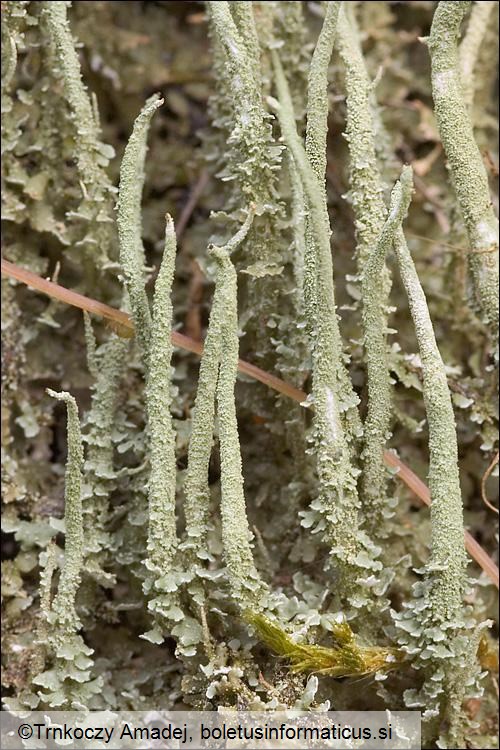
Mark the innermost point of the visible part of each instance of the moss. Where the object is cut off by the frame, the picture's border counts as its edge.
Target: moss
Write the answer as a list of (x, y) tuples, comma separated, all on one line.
[(345, 659)]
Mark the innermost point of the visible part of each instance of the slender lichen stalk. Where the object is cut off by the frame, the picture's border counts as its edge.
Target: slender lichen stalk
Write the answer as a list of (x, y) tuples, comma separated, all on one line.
[(436, 615), (470, 46), (377, 422), (317, 92), (338, 501), (162, 537), (369, 211), (75, 90), (316, 150), (90, 152), (67, 681), (154, 333), (197, 494), (448, 559), (464, 158), (129, 222), (107, 366), (249, 161), (316, 137), (250, 135), (366, 190), (64, 602), (246, 585), (48, 563), (243, 16), (9, 57)]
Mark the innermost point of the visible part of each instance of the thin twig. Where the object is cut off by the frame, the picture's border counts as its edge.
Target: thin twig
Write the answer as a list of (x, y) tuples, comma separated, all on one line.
[(194, 196), (421, 490), (483, 483)]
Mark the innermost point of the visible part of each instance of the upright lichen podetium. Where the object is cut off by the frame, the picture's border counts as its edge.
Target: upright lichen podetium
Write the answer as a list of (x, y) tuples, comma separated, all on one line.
[(464, 158), (107, 366), (197, 494), (436, 615), (154, 334), (470, 46), (317, 92), (366, 192), (63, 605), (249, 160), (66, 681), (448, 559), (130, 224), (162, 538), (92, 155), (337, 506), (374, 327), (246, 584)]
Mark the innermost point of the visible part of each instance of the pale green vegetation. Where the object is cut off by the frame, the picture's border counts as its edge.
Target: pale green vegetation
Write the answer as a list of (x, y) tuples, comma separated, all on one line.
[(228, 540)]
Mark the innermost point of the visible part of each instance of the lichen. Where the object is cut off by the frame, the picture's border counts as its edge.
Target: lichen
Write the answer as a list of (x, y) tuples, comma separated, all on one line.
[(338, 502), (239, 538), (130, 224), (92, 154), (66, 677), (162, 539), (196, 506), (466, 166), (246, 585), (469, 47)]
